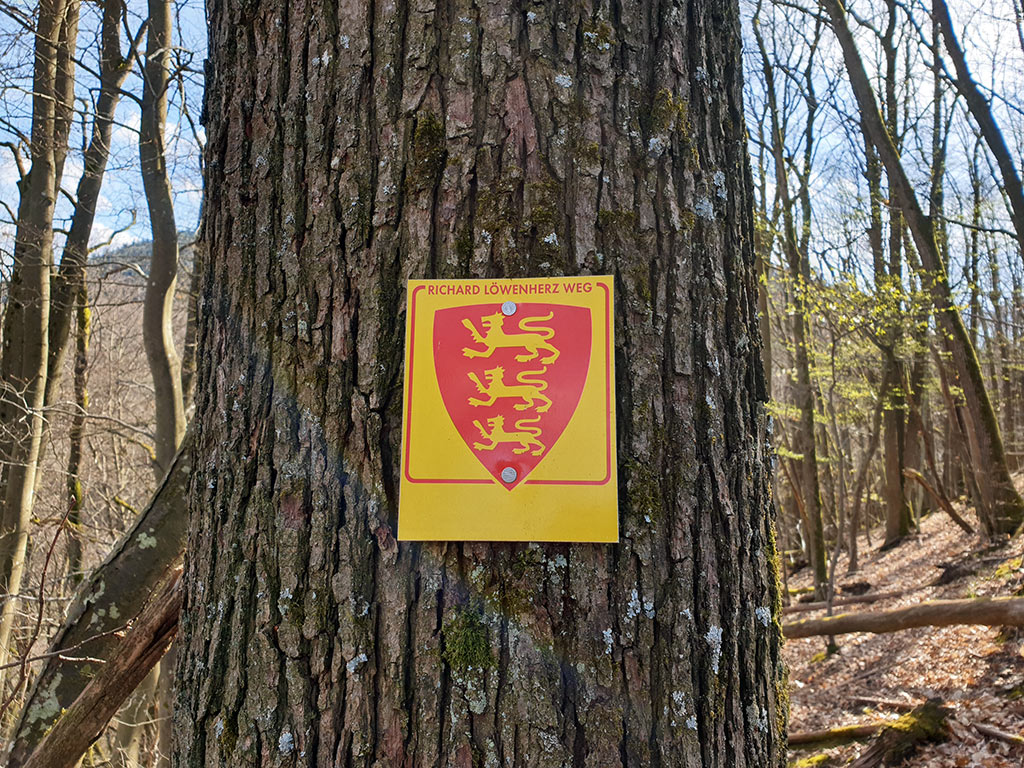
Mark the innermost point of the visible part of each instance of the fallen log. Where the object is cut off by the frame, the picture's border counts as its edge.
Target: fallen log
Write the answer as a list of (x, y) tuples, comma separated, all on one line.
[(142, 647), (989, 611), (869, 597), (901, 738), (833, 737)]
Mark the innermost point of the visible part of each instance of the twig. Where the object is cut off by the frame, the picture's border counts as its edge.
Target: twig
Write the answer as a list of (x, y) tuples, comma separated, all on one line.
[(995, 733)]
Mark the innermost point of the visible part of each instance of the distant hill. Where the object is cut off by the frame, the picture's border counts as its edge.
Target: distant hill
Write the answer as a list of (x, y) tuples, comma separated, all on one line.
[(139, 253)]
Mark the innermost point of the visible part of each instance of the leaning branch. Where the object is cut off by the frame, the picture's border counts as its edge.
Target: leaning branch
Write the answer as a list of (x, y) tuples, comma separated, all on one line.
[(85, 720), (989, 611), (942, 501)]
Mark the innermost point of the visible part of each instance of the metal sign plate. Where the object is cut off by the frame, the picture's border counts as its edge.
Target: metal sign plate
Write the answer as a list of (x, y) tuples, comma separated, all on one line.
[(509, 415)]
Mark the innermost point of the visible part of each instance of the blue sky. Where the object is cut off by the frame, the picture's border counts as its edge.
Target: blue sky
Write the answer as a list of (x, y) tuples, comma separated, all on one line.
[(122, 197)]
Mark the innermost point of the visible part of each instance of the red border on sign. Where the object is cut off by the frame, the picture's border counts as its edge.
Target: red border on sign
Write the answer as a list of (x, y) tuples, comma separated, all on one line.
[(492, 481)]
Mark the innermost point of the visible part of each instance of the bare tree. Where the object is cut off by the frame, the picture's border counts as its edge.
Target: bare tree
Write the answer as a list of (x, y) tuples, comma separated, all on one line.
[(25, 336), (157, 330)]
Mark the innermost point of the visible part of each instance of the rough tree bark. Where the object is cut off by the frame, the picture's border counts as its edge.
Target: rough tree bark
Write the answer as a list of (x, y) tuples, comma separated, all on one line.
[(355, 145), (1003, 508)]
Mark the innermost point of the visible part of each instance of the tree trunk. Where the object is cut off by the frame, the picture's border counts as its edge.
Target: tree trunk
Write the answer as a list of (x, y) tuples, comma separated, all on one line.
[(71, 274), (989, 611), (862, 476), (1004, 506), (1006, 366), (889, 281), (87, 718), (799, 265), (157, 328), (23, 365), (76, 435), (982, 113), (352, 147), (111, 595)]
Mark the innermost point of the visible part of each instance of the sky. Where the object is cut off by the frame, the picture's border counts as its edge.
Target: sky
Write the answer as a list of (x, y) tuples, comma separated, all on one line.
[(989, 37), (121, 215)]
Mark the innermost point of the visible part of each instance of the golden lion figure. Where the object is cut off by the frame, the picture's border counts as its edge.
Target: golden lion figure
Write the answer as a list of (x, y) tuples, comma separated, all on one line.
[(525, 436), (494, 337), (528, 390)]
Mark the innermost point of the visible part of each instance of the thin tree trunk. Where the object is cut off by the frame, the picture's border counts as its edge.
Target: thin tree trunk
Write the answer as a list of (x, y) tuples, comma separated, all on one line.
[(157, 328), (982, 114), (861, 482), (1005, 378), (888, 281), (798, 263), (157, 319), (64, 286), (75, 436), (64, 87), (23, 365)]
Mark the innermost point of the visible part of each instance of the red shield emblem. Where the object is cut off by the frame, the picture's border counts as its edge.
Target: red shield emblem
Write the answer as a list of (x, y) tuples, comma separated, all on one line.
[(511, 382)]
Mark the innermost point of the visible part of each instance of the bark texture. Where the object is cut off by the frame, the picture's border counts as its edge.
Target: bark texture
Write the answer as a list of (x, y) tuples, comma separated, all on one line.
[(355, 145)]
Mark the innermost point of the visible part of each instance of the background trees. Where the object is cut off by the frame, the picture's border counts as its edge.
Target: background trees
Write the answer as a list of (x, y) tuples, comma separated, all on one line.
[(911, 213), (70, 108)]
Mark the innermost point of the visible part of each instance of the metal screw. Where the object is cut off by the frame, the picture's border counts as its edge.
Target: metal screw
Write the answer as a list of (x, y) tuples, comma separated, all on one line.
[(508, 474), (509, 308)]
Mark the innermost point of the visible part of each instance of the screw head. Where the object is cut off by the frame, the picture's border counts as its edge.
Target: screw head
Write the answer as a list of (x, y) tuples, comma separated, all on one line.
[(509, 475), (509, 308)]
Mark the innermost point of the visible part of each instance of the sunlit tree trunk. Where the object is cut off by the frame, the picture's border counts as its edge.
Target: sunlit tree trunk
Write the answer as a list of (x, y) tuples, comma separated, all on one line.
[(23, 365), (157, 328), (799, 266), (352, 147)]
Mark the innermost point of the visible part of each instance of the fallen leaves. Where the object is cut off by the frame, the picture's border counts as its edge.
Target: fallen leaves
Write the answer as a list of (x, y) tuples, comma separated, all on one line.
[(976, 671)]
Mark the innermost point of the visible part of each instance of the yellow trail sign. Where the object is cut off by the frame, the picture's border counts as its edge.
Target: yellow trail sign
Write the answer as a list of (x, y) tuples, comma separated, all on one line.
[(509, 411)]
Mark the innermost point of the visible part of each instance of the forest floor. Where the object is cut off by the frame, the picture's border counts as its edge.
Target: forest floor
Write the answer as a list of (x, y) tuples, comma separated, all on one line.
[(977, 671)]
